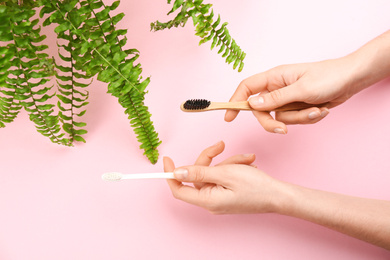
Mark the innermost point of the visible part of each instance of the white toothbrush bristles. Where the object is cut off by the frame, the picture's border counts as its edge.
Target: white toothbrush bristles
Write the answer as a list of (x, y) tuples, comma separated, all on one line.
[(112, 176), (117, 176)]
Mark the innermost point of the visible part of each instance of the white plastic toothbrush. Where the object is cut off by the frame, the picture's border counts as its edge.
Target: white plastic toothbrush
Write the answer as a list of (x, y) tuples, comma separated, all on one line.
[(117, 176)]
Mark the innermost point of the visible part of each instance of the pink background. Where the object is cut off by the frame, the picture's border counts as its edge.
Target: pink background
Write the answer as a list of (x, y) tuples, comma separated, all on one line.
[(54, 204)]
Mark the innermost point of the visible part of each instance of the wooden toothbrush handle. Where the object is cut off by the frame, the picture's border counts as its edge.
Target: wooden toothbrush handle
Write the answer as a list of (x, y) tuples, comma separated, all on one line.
[(244, 105)]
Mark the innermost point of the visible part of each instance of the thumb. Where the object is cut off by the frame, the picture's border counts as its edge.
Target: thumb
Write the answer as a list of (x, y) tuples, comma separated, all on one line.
[(276, 98), (196, 173)]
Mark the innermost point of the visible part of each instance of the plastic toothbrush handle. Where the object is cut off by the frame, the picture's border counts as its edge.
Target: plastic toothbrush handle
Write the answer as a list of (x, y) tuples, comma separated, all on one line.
[(156, 175)]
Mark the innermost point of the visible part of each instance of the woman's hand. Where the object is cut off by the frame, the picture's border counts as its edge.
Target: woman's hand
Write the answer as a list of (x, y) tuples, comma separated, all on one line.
[(329, 81), (236, 186), (232, 186)]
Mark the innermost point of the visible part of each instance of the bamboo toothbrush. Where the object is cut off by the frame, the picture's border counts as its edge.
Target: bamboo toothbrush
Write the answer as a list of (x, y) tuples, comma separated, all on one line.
[(199, 105), (117, 176)]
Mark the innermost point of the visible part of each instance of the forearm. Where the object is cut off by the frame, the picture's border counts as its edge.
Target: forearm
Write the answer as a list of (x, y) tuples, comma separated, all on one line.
[(365, 219), (371, 62)]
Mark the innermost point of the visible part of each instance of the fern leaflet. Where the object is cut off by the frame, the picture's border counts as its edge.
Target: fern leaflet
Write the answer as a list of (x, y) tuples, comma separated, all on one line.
[(206, 28)]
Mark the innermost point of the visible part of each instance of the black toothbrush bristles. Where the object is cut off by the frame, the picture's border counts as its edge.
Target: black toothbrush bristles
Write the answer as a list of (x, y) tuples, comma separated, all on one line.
[(196, 104)]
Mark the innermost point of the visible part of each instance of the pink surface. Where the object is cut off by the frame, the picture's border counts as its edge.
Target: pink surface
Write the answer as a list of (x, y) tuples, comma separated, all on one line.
[(54, 204)]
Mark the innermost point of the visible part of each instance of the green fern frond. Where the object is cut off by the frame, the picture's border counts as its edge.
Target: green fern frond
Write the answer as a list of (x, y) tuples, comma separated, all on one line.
[(89, 44), (29, 71), (117, 63), (9, 105), (206, 28), (130, 92), (140, 120), (72, 96), (97, 49)]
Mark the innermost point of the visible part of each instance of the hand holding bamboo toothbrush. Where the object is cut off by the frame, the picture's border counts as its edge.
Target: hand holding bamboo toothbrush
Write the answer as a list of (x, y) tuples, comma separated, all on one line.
[(201, 105)]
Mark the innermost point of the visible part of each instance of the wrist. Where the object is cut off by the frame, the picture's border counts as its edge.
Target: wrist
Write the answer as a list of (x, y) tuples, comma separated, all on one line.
[(293, 200), (370, 63), (284, 199), (361, 74)]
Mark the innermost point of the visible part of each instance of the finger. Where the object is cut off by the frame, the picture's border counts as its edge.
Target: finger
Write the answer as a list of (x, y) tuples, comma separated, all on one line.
[(239, 159), (277, 98), (269, 123), (305, 116), (207, 155), (245, 89), (202, 174), (169, 166), (187, 194)]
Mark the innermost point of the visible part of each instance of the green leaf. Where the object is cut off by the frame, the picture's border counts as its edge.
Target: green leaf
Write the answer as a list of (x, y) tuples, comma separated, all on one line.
[(68, 128), (62, 27), (79, 124), (45, 107), (81, 113), (176, 5), (80, 132), (117, 18), (141, 87), (78, 138), (114, 5), (64, 99)]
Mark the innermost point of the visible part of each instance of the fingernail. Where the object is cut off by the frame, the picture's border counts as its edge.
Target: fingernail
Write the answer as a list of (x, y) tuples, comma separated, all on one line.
[(180, 174), (216, 144), (279, 131), (247, 155), (324, 113), (314, 115), (258, 101)]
